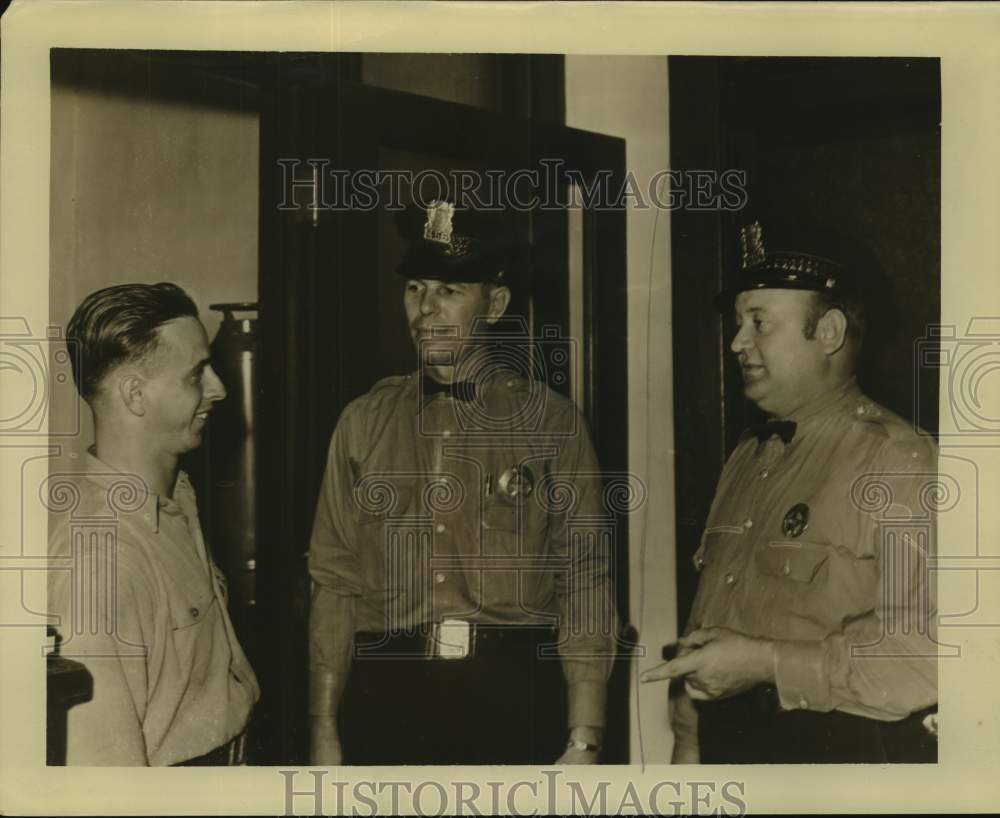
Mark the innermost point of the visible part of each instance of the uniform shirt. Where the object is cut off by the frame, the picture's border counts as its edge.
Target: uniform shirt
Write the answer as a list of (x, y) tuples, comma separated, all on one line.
[(489, 510), (823, 543), (141, 604)]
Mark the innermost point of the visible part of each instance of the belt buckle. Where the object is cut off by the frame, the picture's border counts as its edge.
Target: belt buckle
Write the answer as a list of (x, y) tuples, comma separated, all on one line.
[(452, 639)]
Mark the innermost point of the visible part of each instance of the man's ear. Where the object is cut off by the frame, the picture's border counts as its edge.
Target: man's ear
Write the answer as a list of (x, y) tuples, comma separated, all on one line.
[(131, 391), (499, 301), (831, 331)]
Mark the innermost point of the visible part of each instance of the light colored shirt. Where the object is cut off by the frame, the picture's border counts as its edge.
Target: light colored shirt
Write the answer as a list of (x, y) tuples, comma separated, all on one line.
[(140, 603), (421, 517), (824, 544)]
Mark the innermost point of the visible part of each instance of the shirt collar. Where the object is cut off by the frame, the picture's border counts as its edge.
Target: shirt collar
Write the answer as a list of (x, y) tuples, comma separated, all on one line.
[(129, 493), (826, 405), (474, 368)]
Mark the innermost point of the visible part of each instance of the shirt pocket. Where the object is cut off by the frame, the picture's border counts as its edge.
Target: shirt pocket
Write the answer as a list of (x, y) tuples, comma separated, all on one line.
[(810, 588), (718, 560), (513, 533), (193, 613), (719, 549), (191, 609), (797, 561), (391, 543), (510, 529)]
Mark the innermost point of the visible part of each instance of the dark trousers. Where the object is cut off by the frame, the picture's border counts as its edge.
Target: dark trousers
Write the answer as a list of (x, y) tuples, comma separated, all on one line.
[(503, 705), (752, 729)]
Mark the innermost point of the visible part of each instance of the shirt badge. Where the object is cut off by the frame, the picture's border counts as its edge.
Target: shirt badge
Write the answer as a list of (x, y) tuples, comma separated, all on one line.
[(796, 520), (516, 482)]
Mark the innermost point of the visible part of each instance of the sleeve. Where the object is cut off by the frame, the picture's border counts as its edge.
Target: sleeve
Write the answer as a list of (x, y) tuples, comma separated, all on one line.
[(584, 538), (109, 636), (336, 575), (882, 664)]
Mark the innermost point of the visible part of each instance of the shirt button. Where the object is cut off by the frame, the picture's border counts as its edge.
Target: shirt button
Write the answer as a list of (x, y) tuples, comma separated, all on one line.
[(803, 704), (748, 523), (194, 612), (764, 473), (730, 579), (439, 578), (446, 432), (786, 569), (439, 528)]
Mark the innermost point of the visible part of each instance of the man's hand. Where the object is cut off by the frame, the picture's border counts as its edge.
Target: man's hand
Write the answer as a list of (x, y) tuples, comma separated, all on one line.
[(717, 662), (324, 742), (588, 735)]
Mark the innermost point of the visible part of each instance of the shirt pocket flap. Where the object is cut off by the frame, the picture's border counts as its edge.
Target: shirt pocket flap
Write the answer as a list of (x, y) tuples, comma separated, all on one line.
[(715, 544), (499, 515), (377, 502), (799, 561), (191, 608)]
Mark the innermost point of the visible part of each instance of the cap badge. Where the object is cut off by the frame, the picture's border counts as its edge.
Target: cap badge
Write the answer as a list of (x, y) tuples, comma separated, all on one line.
[(752, 244), (438, 225), (517, 481), (458, 246), (796, 520)]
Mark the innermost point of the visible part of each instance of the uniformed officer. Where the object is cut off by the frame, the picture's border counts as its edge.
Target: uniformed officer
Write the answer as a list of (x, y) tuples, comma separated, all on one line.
[(461, 611), (811, 637)]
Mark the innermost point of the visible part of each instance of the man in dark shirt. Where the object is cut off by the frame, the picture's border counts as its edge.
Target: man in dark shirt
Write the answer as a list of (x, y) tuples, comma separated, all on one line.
[(457, 595)]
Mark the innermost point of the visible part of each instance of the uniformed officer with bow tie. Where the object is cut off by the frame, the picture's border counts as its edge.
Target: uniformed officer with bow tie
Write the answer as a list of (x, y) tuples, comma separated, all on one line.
[(811, 637), (461, 614)]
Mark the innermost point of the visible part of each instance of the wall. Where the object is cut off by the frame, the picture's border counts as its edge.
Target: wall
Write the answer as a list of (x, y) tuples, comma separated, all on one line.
[(146, 188), (595, 102), (471, 79)]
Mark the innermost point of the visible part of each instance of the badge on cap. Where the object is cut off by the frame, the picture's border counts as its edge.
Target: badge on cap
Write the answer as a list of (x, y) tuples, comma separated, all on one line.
[(438, 225), (517, 481), (796, 520), (751, 244)]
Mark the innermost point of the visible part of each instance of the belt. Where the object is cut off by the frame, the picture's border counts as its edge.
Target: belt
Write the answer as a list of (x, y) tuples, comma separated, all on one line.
[(230, 754), (455, 639)]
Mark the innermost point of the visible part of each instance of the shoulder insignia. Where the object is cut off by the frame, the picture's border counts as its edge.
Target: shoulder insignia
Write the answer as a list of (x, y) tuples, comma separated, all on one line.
[(391, 381)]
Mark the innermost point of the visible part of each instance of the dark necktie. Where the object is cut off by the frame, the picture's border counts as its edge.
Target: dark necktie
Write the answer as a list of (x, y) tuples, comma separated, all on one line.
[(461, 390), (785, 429)]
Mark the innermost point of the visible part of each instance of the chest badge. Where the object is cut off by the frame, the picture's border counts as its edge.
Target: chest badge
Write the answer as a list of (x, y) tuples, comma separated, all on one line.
[(796, 520), (516, 482)]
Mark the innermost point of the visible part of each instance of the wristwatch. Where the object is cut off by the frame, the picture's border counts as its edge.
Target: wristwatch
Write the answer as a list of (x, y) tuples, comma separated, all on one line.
[(576, 744)]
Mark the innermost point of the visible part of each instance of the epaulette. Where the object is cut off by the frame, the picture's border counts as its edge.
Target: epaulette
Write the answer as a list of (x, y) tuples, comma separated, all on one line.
[(391, 381), (877, 419), (904, 444)]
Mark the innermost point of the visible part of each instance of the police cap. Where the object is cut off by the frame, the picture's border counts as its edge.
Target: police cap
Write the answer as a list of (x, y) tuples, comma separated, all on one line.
[(797, 253), (451, 245)]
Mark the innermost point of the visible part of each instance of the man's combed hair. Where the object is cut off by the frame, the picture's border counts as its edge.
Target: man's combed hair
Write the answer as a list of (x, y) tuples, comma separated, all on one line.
[(119, 325)]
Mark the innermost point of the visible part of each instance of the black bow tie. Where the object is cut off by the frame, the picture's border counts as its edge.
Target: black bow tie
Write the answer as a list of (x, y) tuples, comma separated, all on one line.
[(461, 390), (785, 429)]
